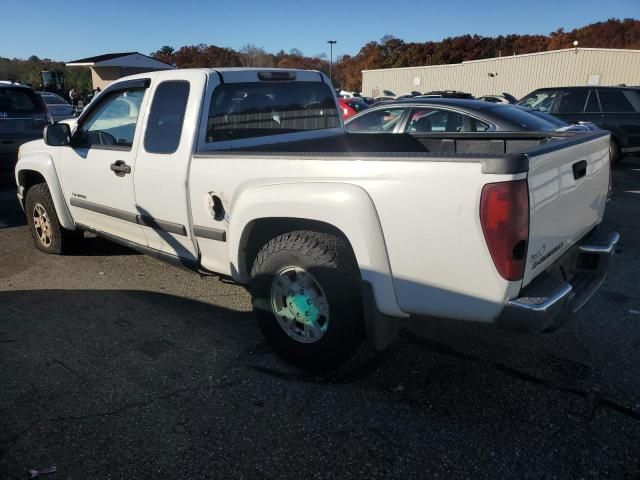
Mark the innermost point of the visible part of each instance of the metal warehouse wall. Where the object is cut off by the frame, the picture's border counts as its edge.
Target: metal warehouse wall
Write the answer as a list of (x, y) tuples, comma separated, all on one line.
[(517, 75)]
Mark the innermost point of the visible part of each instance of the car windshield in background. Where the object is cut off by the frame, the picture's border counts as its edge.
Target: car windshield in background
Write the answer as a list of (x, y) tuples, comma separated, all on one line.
[(245, 110), (54, 100), (540, 100), (18, 101), (527, 121)]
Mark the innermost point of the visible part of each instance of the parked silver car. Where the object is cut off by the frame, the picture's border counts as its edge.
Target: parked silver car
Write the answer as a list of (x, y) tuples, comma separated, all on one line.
[(58, 107)]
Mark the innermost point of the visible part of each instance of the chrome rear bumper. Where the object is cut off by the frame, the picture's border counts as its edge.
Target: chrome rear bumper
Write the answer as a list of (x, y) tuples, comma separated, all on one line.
[(552, 300)]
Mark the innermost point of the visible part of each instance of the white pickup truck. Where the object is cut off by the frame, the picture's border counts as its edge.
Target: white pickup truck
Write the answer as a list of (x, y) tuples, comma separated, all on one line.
[(248, 173)]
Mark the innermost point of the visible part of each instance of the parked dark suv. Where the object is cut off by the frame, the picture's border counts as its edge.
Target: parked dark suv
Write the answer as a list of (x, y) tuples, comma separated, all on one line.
[(616, 109), (23, 115)]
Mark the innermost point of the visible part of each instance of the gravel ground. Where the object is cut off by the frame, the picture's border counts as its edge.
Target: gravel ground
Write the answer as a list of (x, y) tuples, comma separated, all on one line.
[(113, 365)]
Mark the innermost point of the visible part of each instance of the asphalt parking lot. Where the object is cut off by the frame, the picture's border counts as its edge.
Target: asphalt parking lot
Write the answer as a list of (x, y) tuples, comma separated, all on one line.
[(114, 365)]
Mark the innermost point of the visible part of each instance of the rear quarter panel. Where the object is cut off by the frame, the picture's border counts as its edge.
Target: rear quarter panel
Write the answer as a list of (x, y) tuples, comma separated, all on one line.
[(427, 211)]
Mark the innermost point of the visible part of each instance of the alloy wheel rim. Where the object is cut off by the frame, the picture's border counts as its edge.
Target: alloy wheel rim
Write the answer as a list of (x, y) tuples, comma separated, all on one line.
[(300, 304), (42, 225)]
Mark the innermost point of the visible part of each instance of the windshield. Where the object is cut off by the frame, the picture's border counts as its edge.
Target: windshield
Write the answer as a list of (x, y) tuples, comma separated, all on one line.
[(53, 99), (245, 110), (541, 101), (19, 101)]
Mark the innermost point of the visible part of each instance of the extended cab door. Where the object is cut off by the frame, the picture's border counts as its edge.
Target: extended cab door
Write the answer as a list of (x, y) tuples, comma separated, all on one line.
[(97, 169), (162, 166)]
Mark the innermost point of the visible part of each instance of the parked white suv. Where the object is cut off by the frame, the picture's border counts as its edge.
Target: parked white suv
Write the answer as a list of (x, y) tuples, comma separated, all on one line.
[(248, 173)]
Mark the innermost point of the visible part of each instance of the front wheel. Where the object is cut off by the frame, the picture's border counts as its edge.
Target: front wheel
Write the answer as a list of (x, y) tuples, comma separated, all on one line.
[(306, 296), (48, 235)]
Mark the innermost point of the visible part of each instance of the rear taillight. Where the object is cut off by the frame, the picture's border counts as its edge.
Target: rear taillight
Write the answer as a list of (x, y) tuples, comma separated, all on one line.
[(504, 215)]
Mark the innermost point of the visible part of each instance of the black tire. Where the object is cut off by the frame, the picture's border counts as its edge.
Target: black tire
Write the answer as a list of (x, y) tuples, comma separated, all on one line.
[(61, 240), (614, 152), (330, 261)]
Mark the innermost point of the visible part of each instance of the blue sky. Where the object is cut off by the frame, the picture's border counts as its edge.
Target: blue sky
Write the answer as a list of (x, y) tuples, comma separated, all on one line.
[(68, 30)]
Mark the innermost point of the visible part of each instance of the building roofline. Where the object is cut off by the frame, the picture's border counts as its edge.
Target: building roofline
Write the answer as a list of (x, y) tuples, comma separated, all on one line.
[(91, 61), (507, 57)]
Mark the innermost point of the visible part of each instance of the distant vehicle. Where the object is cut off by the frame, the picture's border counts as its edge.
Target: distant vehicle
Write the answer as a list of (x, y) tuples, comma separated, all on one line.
[(409, 95), (616, 109), (501, 98), (58, 107), (53, 82), (383, 98), (351, 106), (447, 94), (23, 115), (425, 115)]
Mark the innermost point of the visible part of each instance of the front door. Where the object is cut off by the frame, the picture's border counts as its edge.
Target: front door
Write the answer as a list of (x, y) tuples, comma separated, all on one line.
[(97, 170)]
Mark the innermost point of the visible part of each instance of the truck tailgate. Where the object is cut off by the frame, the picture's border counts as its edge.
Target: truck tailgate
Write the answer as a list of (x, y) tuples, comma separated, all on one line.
[(568, 185)]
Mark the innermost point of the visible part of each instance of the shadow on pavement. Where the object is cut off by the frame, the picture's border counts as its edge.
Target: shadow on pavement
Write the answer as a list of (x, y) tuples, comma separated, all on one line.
[(114, 383)]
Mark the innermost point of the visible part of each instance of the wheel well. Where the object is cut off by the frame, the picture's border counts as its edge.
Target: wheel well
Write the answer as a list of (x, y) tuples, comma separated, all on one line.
[(29, 178), (257, 233)]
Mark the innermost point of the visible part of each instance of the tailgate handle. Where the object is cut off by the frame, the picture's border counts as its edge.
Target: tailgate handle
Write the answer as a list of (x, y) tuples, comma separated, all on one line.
[(579, 169)]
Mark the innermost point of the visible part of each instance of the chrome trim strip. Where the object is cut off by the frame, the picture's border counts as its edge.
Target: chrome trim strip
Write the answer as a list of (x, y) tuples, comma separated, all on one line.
[(104, 210), (210, 233), (142, 220), (171, 227)]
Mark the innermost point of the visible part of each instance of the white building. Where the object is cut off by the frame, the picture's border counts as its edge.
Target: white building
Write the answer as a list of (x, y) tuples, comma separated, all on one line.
[(112, 66), (517, 75)]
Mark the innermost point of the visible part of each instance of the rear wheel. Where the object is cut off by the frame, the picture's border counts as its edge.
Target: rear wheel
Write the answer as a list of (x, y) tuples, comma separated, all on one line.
[(48, 235), (614, 151), (306, 297)]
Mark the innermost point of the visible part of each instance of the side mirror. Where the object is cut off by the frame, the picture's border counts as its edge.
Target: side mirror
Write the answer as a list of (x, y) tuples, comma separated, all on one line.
[(57, 134)]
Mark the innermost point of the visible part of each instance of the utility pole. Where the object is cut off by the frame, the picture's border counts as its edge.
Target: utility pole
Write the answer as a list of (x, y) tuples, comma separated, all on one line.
[(331, 44)]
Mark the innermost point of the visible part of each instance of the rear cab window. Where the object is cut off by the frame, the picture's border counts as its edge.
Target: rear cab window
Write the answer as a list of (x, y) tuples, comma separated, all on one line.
[(21, 111), (523, 119), (260, 109), (19, 101)]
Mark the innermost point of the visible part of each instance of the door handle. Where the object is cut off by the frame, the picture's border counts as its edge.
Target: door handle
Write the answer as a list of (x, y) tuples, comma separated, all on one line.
[(579, 169), (120, 168)]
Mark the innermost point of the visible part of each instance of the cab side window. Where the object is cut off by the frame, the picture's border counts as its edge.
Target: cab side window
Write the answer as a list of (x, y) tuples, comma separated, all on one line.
[(592, 102), (383, 120), (425, 120), (164, 127), (113, 122), (573, 101), (617, 101)]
